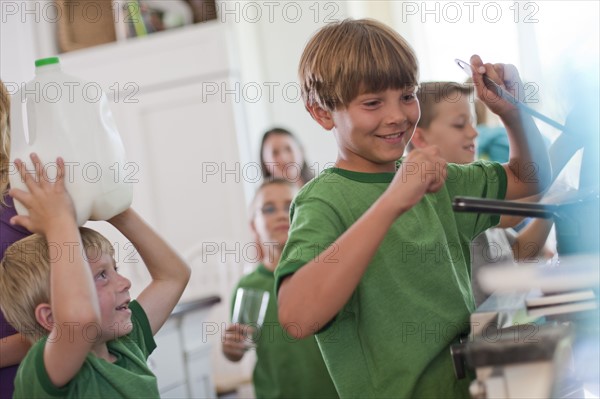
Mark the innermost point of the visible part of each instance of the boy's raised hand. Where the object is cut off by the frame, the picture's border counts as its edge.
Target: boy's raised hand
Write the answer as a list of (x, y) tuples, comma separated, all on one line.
[(505, 75), (422, 171), (47, 201)]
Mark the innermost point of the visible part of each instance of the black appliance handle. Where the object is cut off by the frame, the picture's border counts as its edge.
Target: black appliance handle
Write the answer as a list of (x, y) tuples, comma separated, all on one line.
[(500, 207)]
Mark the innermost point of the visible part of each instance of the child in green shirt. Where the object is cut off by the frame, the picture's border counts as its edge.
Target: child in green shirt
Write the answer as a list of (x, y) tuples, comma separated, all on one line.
[(285, 367), (61, 289), (447, 121), (376, 263)]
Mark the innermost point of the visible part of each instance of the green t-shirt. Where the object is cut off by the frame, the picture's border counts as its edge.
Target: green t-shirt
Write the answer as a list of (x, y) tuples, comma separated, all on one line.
[(392, 338), (285, 367), (128, 377)]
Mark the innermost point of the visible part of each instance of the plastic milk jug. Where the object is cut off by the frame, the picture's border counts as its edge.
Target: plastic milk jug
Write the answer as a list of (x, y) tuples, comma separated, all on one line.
[(59, 115)]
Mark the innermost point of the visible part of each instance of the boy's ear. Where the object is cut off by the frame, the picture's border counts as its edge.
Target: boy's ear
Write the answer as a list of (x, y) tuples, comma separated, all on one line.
[(323, 117), (418, 139), (43, 315)]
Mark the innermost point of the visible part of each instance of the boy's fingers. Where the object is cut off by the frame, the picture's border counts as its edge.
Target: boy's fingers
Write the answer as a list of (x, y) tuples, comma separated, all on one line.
[(22, 196), (499, 71), (475, 61), (512, 81), (239, 351), (495, 72), (22, 171), (21, 220), (60, 175), (26, 177), (39, 170)]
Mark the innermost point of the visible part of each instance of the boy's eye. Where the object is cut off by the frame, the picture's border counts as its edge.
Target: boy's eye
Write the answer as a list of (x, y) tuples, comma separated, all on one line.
[(268, 209), (102, 275), (272, 209), (409, 97), (372, 103)]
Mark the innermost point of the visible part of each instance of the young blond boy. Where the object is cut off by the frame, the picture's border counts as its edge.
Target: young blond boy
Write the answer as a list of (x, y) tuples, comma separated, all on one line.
[(60, 288), (389, 290), (285, 367), (448, 122)]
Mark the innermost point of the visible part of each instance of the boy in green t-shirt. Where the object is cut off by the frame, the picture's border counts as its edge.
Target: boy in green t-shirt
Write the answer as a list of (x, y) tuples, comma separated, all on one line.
[(448, 122), (285, 367), (61, 289), (376, 260)]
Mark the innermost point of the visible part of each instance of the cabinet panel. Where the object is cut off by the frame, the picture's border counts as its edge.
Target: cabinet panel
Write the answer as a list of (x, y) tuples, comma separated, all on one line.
[(199, 375), (167, 359), (178, 55), (178, 392)]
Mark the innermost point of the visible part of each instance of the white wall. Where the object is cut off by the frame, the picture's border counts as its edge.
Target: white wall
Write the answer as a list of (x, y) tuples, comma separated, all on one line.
[(271, 37)]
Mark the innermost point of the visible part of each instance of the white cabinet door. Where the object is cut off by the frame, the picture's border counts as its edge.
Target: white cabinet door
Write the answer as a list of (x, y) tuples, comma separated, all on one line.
[(177, 392), (199, 374), (183, 148), (167, 360)]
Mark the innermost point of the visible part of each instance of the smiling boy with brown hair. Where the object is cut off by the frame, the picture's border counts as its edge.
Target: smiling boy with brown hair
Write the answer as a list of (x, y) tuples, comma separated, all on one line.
[(389, 290)]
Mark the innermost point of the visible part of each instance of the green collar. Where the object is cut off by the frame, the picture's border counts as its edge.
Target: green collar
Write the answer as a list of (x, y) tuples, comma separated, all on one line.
[(262, 269), (383, 177)]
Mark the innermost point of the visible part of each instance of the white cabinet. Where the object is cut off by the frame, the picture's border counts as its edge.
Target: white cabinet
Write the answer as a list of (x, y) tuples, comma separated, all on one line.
[(167, 360), (182, 358)]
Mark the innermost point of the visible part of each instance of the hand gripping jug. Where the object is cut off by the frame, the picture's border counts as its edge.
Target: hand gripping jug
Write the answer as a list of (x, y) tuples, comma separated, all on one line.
[(58, 115)]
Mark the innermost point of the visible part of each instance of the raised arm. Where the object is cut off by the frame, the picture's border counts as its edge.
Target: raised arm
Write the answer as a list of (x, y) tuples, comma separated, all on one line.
[(13, 349), (73, 301), (528, 169), (170, 274), (312, 296)]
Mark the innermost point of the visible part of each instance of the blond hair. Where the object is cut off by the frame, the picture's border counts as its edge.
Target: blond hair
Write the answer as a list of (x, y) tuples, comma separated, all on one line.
[(25, 277), (4, 140), (351, 57)]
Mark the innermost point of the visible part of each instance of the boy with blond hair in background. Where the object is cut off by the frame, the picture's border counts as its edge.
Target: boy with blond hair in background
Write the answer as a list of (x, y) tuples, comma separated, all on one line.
[(448, 122)]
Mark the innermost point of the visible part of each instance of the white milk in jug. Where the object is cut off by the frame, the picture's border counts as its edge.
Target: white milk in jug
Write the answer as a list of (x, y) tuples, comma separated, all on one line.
[(59, 115)]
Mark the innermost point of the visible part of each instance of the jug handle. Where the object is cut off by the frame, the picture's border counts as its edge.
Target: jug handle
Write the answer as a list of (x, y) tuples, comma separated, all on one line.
[(24, 119)]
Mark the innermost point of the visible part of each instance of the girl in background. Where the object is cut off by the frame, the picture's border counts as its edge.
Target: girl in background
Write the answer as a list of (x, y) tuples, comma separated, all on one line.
[(282, 157)]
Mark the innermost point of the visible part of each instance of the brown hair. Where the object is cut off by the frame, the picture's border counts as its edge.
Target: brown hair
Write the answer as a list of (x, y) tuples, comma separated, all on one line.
[(25, 278), (347, 58), (431, 94)]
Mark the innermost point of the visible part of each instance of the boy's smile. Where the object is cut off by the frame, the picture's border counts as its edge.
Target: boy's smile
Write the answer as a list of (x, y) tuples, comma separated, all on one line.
[(373, 130), (113, 297), (453, 131)]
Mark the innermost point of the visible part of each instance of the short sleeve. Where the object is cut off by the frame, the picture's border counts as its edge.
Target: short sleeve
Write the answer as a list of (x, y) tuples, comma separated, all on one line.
[(141, 333), (315, 225), (481, 179)]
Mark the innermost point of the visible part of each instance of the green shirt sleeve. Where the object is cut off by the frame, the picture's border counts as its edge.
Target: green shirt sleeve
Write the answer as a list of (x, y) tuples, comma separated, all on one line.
[(142, 332), (315, 226), (481, 179)]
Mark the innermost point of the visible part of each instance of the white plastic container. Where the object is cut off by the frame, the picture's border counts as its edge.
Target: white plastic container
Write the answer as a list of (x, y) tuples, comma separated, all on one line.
[(59, 115)]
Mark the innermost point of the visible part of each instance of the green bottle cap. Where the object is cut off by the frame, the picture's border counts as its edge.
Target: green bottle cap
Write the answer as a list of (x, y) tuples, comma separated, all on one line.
[(46, 61)]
